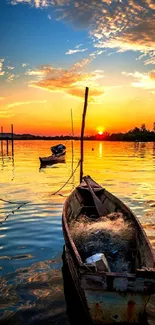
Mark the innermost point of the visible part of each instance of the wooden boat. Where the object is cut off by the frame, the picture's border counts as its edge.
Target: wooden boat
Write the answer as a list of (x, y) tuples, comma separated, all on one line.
[(109, 291), (58, 149), (53, 159), (108, 297)]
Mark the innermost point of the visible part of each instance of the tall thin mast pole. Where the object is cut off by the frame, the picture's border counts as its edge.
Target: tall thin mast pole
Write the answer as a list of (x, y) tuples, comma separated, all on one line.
[(2, 140), (72, 122), (72, 141), (12, 139), (82, 131)]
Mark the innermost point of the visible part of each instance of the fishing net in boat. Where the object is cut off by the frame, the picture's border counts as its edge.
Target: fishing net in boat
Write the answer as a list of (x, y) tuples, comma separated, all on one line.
[(110, 235)]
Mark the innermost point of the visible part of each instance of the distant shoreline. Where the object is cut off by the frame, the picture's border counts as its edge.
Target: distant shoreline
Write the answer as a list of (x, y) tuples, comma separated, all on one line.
[(86, 138), (135, 135)]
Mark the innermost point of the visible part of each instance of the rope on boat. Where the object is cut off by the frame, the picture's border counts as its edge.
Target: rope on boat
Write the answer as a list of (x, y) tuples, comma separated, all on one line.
[(70, 134), (20, 204), (68, 179), (12, 202)]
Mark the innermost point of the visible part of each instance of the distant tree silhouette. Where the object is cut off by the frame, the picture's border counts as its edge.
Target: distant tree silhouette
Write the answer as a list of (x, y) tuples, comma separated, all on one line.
[(135, 130), (143, 127), (138, 134)]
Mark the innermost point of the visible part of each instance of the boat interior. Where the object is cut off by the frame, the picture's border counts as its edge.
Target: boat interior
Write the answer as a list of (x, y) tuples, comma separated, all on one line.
[(114, 232)]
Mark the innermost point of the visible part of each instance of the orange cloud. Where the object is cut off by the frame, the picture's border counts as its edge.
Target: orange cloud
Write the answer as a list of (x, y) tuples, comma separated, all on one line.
[(36, 72), (71, 81), (6, 114), (152, 75), (26, 103), (79, 92)]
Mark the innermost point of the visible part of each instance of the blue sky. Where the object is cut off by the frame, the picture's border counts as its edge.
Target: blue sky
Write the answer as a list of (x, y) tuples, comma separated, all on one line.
[(28, 34), (51, 49)]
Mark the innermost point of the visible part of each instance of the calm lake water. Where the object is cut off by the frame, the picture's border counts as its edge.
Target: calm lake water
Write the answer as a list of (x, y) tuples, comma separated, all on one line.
[(31, 241)]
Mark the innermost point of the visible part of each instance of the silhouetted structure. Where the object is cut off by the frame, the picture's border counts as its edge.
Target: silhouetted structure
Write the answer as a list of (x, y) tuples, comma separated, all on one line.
[(6, 138)]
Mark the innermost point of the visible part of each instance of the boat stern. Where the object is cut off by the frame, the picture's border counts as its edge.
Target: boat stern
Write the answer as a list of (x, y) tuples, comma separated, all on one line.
[(115, 300), (114, 307)]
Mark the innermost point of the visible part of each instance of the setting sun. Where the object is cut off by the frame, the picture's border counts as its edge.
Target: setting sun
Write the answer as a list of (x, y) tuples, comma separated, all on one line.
[(100, 130)]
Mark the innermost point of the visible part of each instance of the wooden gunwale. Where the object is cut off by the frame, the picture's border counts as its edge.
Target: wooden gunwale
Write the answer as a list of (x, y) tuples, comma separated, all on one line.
[(123, 207)]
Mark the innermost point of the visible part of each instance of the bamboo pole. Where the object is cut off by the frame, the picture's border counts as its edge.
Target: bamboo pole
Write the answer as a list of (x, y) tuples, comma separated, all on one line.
[(12, 139), (7, 146), (72, 141), (82, 131), (2, 140), (72, 123)]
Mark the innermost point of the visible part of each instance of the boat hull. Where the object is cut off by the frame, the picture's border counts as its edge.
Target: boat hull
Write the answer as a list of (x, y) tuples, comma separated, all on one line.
[(53, 159), (123, 303), (109, 298), (114, 307)]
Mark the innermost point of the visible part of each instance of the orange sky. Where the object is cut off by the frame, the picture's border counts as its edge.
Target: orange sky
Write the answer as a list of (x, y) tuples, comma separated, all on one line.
[(119, 109)]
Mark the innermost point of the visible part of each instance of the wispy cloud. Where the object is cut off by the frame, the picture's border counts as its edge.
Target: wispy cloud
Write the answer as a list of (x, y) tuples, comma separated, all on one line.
[(1, 98), (8, 73), (71, 81), (6, 113), (142, 80), (26, 103), (24, 65), (36, 72), (147, 60), (11, 77), (10, 67), (1, 67), (36, 3), (76, 50), (15, 2)]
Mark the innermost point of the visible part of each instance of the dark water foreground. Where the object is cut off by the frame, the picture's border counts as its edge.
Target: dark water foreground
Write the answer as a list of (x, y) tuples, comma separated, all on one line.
[(31, 284), (33, 296)]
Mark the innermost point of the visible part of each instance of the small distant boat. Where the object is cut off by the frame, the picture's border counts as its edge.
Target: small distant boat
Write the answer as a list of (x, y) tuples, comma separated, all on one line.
[(53, 159), (58, 149), (58, 155)]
